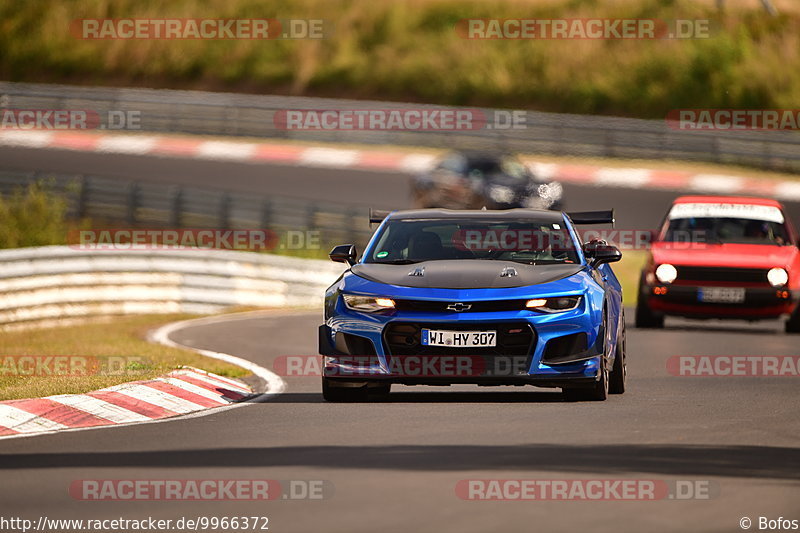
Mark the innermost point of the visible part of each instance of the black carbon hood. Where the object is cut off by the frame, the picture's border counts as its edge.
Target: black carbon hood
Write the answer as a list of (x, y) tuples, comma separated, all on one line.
[(464, 274)]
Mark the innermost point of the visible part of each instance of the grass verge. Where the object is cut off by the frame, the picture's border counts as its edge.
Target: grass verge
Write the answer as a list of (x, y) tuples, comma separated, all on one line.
[(627, 271), (116, 350)]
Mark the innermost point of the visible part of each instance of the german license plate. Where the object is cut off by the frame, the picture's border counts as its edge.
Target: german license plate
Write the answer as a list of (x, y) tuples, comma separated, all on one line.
[(724, 295), (459, 339)]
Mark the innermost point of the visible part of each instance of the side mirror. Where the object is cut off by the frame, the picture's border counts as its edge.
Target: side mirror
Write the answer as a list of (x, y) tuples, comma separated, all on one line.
[(599, 252), (344, 253)]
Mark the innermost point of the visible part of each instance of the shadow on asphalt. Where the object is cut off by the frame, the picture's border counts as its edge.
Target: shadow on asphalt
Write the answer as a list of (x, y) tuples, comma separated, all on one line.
[(433, 397), (772, 327), (674, 460)]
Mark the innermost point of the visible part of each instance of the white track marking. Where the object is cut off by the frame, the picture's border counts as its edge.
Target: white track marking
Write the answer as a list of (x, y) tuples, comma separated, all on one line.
[(226, 150), (25, 422), (329, 157), (156, 397), (544, 171), (275, 385), (716, 183), (622, 177), (126, 144), (27, 139), (194, 389), (99, 408), (214, 382), (417, 162), (788, 190)]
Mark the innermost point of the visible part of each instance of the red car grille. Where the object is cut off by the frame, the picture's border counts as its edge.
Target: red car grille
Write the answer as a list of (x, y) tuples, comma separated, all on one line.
[(722, 274)]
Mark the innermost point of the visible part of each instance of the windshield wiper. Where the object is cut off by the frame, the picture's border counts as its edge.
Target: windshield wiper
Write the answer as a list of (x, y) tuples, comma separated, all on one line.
[(396, 262), (535, 262)]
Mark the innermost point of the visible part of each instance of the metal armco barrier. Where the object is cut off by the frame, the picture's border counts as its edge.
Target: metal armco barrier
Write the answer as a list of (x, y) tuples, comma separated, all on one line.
[(110, 201), (210, 113), (56, 282)]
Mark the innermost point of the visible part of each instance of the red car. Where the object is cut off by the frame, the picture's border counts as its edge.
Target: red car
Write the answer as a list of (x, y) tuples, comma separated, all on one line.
[(722, 257)]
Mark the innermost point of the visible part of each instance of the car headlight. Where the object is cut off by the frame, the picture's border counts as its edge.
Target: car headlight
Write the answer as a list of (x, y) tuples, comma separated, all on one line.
[(367, 304), (666, 273), (501, 194), (778, 277), (554, 305)]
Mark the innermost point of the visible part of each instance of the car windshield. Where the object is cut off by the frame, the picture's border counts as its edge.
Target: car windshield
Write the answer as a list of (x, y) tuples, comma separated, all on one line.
[(718, 230), (536, 242)]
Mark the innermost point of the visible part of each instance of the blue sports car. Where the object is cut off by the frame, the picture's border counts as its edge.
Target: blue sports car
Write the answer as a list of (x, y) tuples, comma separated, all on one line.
[(444, 297)]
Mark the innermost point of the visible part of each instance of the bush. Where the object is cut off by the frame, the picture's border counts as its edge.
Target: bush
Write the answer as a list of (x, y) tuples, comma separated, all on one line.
[(32, 216)]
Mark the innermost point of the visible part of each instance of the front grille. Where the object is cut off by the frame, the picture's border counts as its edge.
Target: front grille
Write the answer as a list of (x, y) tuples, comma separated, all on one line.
[(485, 306), (513, 338), (721, 274)]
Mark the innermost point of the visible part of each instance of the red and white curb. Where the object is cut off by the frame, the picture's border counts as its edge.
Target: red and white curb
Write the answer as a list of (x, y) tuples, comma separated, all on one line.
[(180, 392), (389, 161), (187, 392)]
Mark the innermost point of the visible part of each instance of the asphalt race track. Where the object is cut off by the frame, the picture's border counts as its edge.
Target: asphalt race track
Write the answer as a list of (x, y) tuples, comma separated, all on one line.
[(636, 208), (394, 465)]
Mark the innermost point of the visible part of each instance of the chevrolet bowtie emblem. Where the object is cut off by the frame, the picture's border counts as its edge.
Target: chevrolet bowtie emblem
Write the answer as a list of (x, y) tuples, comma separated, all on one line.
[(458, 307), (507, 272)]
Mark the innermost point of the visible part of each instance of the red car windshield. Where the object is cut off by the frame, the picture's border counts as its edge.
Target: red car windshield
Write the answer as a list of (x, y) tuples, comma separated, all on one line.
[(718, 230)]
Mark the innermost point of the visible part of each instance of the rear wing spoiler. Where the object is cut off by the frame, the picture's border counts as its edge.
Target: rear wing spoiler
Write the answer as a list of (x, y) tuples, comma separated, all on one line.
[(593, 217), (376, 216)]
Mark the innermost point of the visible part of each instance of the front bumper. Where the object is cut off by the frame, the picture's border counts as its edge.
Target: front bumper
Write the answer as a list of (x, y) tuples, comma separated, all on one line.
[(684, 300), (547, 350)]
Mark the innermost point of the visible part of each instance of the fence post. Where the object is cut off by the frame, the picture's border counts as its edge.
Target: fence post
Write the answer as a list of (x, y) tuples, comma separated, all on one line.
[(352, 233), (132, 203), (311, 216), (83, 196), (266, 214), (176, 213), (224, 210)]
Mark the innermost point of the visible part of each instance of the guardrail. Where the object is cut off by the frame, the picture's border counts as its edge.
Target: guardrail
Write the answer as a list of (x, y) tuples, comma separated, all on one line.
[(144, 204), (56, 282), (210, 113)]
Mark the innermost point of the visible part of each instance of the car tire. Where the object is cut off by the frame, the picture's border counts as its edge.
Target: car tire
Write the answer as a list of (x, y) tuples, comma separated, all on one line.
[(342, 394), (382, 389), (598, 392), (792, 325), (619, 372)]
